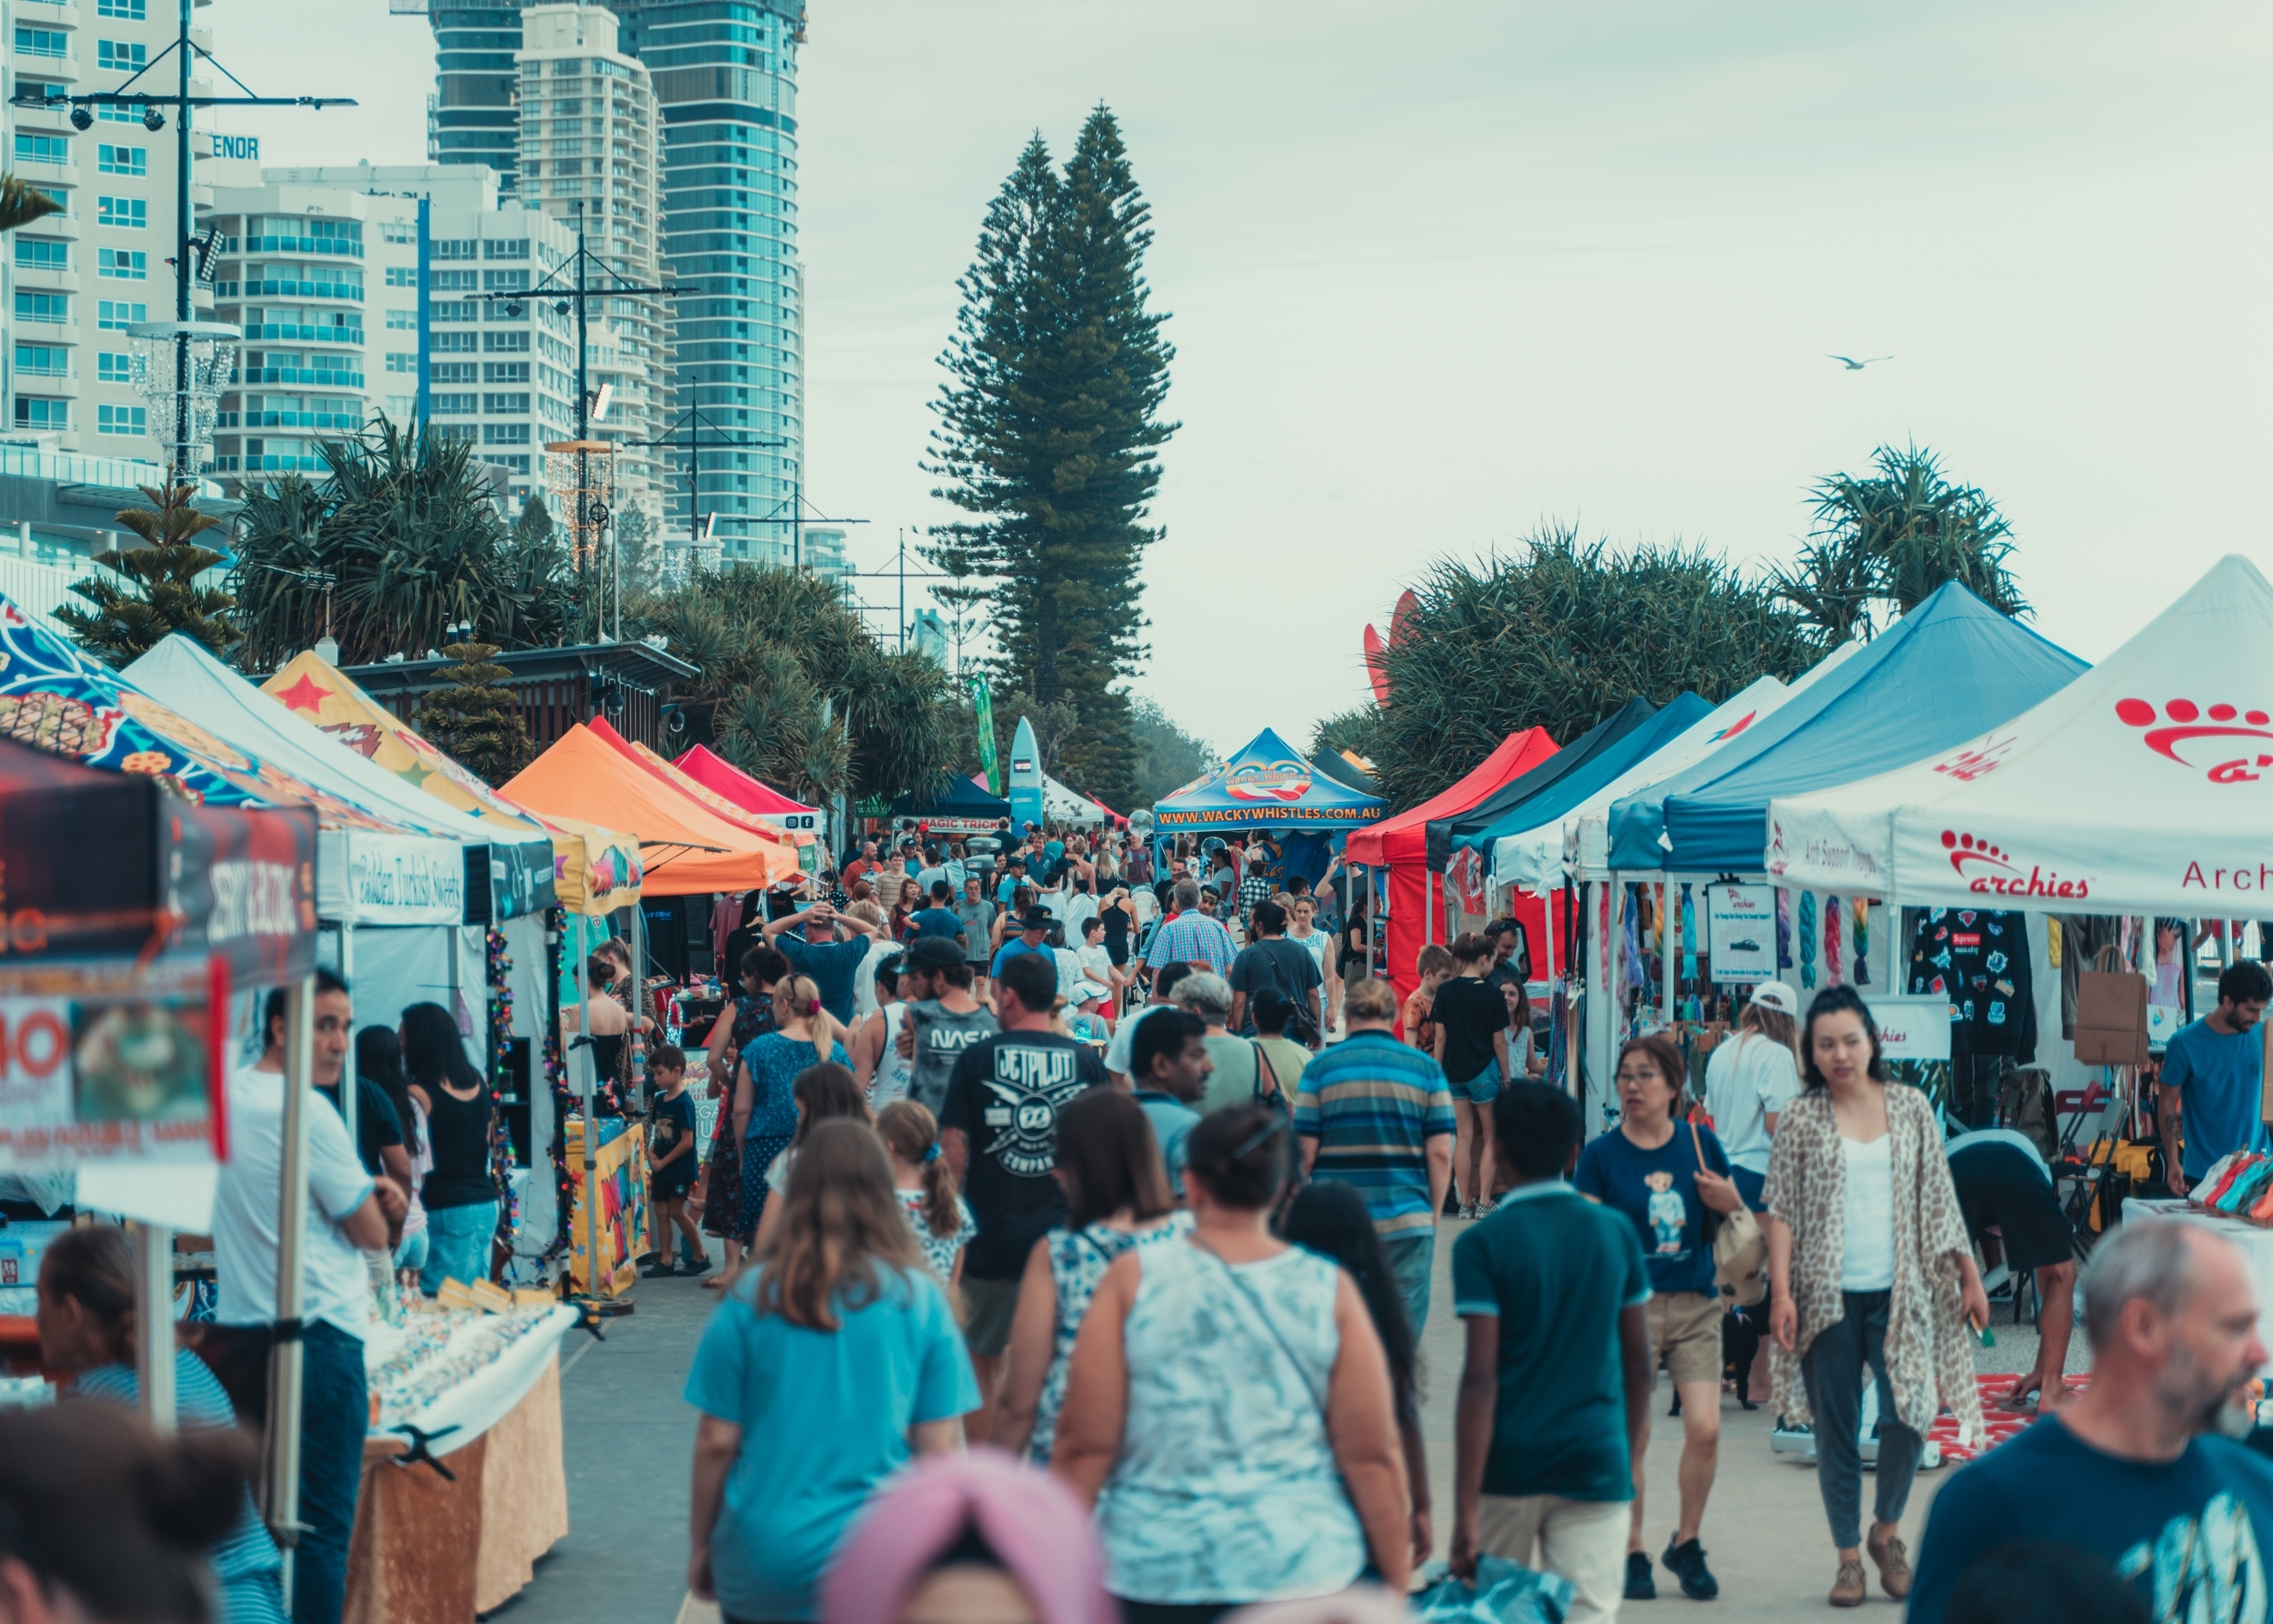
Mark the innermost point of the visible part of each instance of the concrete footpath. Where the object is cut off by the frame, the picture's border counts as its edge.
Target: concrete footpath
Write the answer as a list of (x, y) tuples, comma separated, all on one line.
[(630, 1443)]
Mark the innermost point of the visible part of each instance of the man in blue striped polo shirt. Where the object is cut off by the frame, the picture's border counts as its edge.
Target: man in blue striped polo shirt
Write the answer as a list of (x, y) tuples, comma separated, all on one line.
[(1377, 1114)]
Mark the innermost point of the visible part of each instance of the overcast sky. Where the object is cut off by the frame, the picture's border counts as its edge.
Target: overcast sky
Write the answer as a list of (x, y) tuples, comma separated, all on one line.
[(1437, 271)]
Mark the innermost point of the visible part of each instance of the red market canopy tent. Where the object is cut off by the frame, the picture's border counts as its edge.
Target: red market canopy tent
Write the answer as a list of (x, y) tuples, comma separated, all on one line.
[(721, 776), (1400, 844)]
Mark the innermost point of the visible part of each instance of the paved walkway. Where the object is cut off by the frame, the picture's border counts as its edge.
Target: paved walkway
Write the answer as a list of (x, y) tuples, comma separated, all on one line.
[(630, 1440)]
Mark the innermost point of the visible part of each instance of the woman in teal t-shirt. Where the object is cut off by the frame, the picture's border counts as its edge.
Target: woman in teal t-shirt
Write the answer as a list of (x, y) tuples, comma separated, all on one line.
[(828, 1363)]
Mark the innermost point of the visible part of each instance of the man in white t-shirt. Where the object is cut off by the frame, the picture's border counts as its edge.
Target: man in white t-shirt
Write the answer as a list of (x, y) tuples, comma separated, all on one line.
[(349, 1213)]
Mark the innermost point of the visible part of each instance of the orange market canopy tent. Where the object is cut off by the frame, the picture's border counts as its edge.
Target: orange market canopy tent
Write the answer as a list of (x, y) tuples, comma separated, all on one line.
[(695, 789), (685, 848), (594, 869)]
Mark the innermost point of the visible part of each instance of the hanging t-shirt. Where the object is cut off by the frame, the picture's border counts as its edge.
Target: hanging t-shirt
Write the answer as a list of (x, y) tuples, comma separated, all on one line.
[(2191, 1535), (1656, 1190), (1005, 1097), (1979, 959)]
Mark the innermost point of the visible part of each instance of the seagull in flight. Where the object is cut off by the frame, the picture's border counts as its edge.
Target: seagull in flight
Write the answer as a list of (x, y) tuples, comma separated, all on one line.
[(1854, 365)]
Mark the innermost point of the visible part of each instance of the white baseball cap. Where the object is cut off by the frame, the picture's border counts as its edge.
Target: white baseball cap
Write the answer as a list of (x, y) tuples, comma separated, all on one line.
[(1777, 996)]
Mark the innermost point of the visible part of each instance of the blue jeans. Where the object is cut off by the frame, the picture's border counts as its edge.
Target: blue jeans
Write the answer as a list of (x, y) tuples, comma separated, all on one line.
[(1412, 1262), (457, 1245), (334, 1412)]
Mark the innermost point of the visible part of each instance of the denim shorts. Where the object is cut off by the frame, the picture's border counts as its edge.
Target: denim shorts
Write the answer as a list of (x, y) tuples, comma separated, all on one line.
[(1480, 1090)]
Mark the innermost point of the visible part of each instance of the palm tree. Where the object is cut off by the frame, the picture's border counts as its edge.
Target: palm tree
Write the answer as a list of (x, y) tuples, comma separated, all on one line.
[(1896, 536), (401, 543)]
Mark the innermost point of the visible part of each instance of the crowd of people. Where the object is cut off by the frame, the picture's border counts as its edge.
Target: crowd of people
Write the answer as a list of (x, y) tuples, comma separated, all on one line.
[(1077, 1224)]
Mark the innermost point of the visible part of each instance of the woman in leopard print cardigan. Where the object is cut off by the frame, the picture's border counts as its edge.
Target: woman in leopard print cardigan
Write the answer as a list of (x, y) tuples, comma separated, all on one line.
[(1868, 1265)]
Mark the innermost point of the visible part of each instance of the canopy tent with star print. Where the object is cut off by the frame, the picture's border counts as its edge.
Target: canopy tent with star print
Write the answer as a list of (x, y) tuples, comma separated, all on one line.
[(595, 870), (507, 870)]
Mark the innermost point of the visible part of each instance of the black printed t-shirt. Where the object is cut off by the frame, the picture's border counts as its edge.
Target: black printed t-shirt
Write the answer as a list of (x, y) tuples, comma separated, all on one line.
[(1005, 1097)]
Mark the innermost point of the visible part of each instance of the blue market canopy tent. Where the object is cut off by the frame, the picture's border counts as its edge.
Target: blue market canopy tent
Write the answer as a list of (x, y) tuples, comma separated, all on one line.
[(1612, 747), (961, 807), (1268, 785), (1951, 668)]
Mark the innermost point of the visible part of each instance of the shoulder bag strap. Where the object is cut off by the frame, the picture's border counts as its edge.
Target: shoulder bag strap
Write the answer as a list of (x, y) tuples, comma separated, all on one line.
[(1269, 1325), (1263, 1068)]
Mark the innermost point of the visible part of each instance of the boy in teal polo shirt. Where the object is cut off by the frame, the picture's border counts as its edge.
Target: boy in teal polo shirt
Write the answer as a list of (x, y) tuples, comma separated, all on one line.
[(1555, 1398)]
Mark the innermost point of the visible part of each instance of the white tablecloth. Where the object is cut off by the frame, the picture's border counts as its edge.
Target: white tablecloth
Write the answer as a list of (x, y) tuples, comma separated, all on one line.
[(2256, 1246), (482, 1399)]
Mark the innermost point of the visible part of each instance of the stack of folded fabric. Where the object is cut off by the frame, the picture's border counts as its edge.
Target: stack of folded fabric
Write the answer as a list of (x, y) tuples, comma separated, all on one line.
[(2238, 1185)]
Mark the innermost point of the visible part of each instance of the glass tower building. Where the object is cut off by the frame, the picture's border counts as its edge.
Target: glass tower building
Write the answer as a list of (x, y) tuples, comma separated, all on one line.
[(725, 75)]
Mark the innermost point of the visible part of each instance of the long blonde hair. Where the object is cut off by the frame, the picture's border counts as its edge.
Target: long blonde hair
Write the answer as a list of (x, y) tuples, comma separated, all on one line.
[(841, 1218), (911, 1132), (1771, 1024), (795, 997)]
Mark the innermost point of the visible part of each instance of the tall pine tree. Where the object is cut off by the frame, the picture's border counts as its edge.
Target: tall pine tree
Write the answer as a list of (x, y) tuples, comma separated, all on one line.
[(476, 719), (156, 593), (1049, 434)]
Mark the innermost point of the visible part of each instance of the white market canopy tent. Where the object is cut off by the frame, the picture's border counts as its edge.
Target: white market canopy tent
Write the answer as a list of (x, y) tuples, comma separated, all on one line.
[(2145, 785)]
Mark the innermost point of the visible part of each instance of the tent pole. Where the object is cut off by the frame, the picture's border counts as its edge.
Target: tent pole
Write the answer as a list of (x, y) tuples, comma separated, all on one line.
[(348, 1081), (591, 1122), (153, 1314), (285, 1359), (1669, 943)]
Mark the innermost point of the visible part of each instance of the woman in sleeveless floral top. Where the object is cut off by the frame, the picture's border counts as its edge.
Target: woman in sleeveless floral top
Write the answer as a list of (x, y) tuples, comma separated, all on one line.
[(1117, 1199), (1225, 1388)]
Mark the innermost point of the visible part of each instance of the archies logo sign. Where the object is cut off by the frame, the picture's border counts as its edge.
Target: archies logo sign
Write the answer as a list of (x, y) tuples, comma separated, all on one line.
[(1992, 871), (2180, 722)]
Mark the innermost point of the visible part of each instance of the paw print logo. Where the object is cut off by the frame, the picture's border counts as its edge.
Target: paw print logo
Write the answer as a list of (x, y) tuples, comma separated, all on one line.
[(2180, 722), (1976, 852)]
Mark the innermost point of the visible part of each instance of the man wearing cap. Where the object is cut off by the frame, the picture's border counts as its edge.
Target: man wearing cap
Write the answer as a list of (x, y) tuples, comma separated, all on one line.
[(1032, 930), (942, 1017), (1751, 1078)]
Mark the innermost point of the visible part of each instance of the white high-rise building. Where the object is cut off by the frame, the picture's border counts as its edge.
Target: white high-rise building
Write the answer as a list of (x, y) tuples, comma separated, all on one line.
[(77, 279), (590, 152), (454, 333)]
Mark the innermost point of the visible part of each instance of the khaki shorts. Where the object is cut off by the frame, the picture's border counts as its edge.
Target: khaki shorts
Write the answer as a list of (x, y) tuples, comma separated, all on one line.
[(1684, 1332), (988, 1308)]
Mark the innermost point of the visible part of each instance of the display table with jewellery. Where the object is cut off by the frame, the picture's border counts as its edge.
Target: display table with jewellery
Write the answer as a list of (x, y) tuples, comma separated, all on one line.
[(463, 1482)]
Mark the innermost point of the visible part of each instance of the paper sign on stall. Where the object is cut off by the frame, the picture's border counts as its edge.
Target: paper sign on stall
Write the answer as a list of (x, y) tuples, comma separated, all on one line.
[(112, 1062), (1911, 1028), (1740, 932)]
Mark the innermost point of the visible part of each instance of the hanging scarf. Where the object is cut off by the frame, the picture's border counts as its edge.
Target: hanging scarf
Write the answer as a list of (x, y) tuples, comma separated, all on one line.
[(1807, 940), (1689, 936), (1831, 934), (1783, 929)]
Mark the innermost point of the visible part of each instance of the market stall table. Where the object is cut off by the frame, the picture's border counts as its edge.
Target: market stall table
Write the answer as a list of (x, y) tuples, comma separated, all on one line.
[(481, 1395), (2254, 1242)]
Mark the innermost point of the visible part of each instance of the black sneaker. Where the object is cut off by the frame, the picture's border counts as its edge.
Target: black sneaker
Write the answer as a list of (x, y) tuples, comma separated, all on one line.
[(658, 1271), (700, 1265), (1640, 1584), (1686, 1561)]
